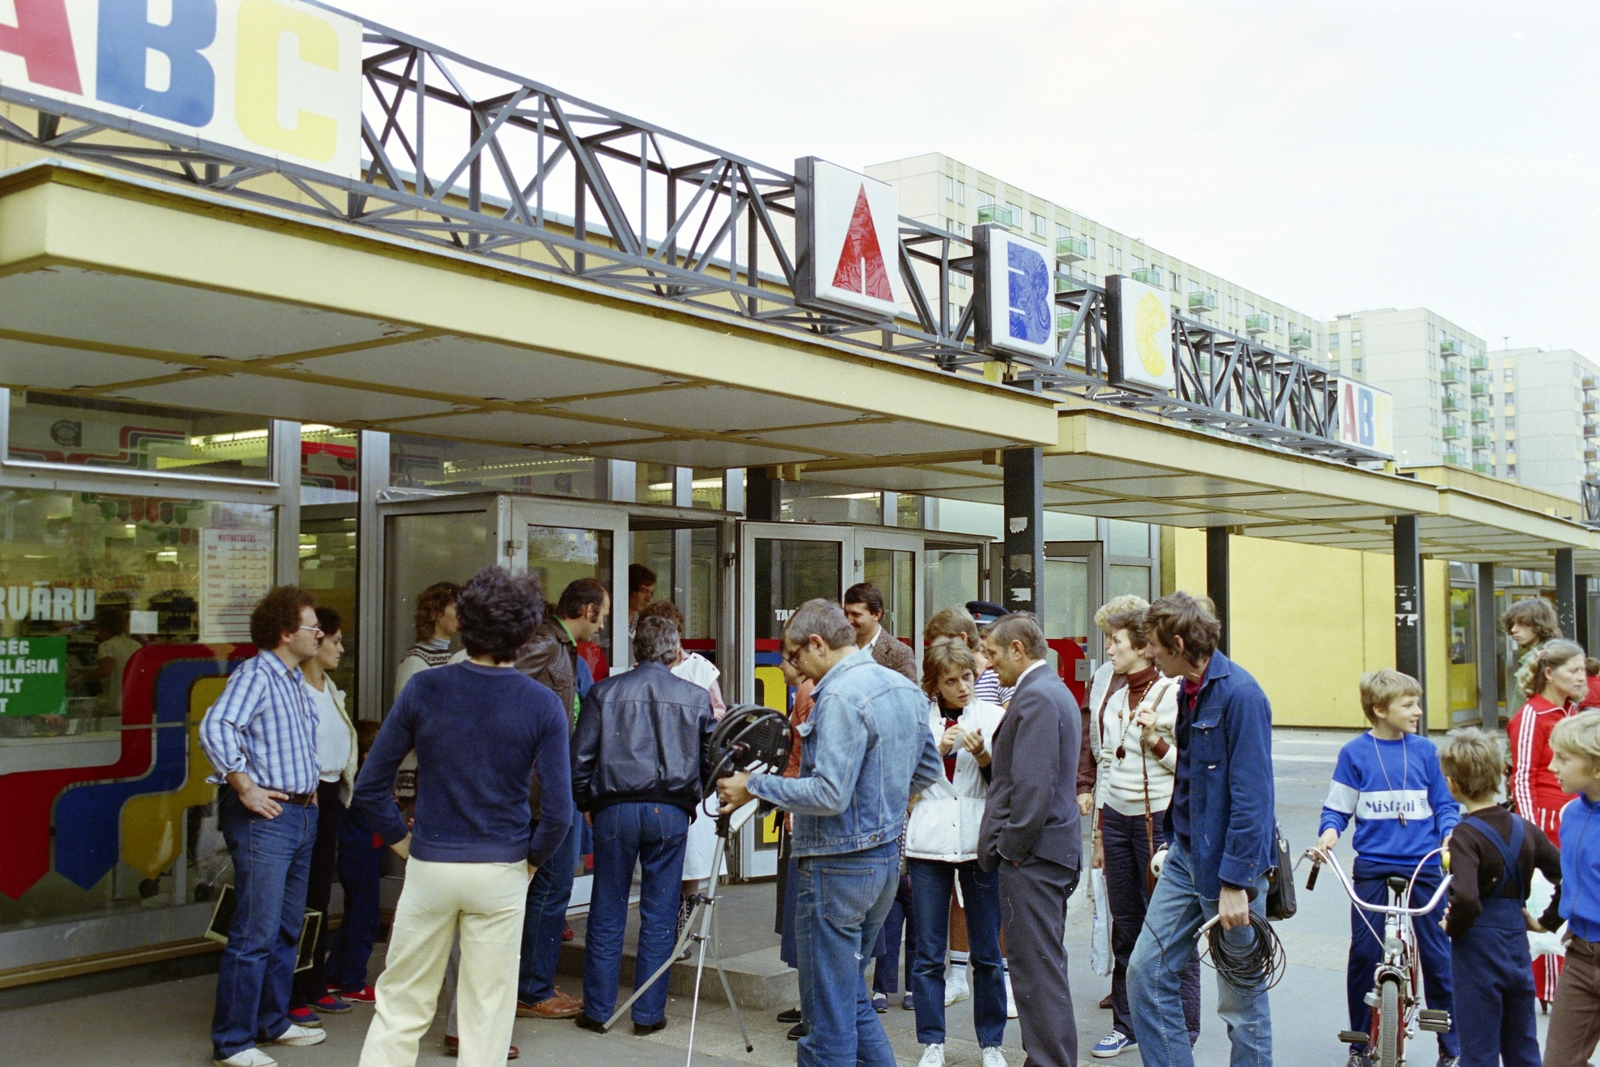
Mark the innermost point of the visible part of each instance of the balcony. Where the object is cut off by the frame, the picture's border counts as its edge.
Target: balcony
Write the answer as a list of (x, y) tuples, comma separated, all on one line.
[(1590, 383), (1202, 303), (1064, 321), (1148, 276), (1478, 362), (998, 214), (1450, 402), (1257, 324), (1455, 458), (1589, 407), (1483, 467), (1480, 440), (1068, 249), (1299, 342), (1481, 415), (1448, 350), (1452, 431), (1590, 455), (1590, 429), (1480, 388), (1451, 376)]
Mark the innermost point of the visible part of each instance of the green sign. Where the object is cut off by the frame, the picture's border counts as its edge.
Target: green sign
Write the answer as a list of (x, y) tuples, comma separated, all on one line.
[(33, 675)]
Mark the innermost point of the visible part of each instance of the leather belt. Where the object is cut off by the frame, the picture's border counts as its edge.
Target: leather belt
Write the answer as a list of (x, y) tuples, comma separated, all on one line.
[(304, 800)]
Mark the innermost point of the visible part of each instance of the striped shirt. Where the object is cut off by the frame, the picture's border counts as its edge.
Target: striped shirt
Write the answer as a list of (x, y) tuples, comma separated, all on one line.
[(988, 688), (264, 724)]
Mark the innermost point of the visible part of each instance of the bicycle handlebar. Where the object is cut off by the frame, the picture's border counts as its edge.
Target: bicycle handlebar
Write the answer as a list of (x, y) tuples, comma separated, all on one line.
[(1319, 856)]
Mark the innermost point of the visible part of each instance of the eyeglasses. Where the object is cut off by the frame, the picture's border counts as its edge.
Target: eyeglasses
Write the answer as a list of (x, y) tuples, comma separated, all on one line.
[(314, 629), (792, 657)]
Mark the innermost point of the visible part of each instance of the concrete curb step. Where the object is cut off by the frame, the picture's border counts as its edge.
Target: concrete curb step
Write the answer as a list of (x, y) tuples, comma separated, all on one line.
[(759, 980)]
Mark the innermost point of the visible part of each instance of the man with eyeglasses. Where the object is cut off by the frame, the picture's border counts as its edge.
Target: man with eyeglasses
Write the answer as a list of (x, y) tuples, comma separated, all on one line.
[(261, 736), (864, 751)]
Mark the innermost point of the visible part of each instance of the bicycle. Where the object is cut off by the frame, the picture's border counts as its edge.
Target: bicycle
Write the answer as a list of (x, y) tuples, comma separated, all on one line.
[(1396, 995)]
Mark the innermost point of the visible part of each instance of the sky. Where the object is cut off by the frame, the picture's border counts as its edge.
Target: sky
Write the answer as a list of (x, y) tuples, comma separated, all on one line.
[(1332, 156)]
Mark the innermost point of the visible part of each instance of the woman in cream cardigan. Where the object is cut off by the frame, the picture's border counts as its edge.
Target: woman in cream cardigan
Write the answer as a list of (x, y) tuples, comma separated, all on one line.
[(1136, 754)]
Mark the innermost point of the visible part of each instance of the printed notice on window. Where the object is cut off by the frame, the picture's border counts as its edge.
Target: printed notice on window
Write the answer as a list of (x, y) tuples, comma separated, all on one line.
[(235, 572), (33, 675)]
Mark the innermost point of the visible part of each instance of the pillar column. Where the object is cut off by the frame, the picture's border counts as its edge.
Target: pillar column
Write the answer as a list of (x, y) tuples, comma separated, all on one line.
[(1022, 586), (1566, 594), (1581, 611), (372, 665), (1408, 604), (1217, 571), (1488, 651), (763, 496)]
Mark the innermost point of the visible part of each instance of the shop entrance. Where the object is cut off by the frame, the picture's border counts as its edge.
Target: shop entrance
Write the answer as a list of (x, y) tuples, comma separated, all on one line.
[(1072, 591)]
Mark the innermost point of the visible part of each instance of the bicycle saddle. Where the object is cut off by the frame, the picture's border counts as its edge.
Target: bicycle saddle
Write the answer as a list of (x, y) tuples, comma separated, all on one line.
[(1398, 885)]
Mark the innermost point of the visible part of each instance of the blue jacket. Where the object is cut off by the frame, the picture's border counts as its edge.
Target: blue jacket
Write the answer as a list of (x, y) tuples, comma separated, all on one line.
[(1580, 867), (865, 749), (1227, 762)]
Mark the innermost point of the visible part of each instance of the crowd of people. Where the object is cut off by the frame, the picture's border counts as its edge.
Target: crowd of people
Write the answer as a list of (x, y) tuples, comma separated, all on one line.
[(939, 808)]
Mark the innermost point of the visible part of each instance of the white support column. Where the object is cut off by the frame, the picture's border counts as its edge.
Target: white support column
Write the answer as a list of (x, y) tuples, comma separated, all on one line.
[(372, 457), (285, 470)]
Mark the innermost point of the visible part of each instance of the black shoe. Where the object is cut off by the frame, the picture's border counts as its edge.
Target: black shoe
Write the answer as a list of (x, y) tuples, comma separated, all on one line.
[(790, 1016), (586, 1023), (640, 1029), (797, 1031)]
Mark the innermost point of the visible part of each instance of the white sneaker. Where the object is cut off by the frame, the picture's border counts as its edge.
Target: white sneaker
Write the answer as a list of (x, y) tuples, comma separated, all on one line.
[(1011, 1000), (300, 1035), (932, 1056), (956, 988), (993, 1057), (250, 1057)]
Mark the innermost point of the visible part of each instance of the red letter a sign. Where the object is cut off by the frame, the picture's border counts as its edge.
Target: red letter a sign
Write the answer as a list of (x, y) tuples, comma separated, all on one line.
[(861, 267), (44, 40)]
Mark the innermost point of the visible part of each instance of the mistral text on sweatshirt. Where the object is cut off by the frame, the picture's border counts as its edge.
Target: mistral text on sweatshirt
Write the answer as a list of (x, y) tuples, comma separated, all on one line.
[(1379, 781)]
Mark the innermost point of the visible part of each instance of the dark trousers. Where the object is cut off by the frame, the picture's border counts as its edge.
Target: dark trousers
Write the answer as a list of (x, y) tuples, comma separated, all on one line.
[(361, 875), (788, 951), (549, 894), (312, 983), (1033, 909), (1493, 974), (899, 927), (1127, 858), (650, 836), (932, 886), (1575, 1015), (1365, 950), (256, 974)]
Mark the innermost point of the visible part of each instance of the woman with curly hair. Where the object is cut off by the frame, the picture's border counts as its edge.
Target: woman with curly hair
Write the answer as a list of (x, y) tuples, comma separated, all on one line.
[(1552, 673), (481, 729), (436, 623)]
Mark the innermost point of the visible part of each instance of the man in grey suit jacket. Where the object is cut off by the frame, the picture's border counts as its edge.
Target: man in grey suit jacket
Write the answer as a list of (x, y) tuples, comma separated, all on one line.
[(1031, 831)]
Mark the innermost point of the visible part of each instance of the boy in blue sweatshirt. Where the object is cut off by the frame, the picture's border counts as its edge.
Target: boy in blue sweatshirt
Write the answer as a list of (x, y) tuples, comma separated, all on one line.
[(1389, 780), (1575, 1016)]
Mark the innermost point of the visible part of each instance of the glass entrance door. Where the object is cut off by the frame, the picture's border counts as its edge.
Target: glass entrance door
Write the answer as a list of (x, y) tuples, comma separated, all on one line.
[(1073, 590), (891, 561)]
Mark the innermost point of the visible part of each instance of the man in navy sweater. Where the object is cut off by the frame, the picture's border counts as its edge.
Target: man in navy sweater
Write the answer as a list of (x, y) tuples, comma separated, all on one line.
[(481, 729)]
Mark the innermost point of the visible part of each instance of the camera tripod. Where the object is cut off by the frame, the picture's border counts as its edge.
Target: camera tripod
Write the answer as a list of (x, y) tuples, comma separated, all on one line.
[(702, 928)]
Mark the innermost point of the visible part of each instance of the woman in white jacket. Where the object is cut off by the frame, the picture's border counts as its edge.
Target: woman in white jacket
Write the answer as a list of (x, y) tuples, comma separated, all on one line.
[(1136, 752), (942, 850)]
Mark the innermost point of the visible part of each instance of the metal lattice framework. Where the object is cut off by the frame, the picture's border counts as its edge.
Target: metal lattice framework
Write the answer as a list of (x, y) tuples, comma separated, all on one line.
[(470, 158), (1591, 502)]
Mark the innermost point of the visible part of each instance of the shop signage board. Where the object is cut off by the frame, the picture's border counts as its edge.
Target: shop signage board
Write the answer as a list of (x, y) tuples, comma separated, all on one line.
[(235, 573), (1364, 416), (847, 241), (273, 77), (33, 675), (1138, 336), (1014, 288)]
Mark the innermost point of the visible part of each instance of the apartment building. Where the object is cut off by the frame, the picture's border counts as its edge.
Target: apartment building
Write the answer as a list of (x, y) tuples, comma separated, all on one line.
[(1439, 375), (945, 192), (1557, 393)]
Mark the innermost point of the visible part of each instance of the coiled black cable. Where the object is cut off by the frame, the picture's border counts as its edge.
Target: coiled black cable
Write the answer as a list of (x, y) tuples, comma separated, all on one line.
[(1251, 969)]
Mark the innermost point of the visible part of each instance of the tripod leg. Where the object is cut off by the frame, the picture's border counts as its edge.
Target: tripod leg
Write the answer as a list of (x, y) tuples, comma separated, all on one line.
[(672, 957), (727, 990)]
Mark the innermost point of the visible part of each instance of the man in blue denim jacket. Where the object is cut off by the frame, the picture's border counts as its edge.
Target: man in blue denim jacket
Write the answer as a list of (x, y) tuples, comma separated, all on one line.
[(1220, 823), (865, 750)]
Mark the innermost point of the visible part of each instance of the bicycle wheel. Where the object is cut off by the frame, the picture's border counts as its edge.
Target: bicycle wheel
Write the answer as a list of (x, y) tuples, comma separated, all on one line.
[(1387, 1054)]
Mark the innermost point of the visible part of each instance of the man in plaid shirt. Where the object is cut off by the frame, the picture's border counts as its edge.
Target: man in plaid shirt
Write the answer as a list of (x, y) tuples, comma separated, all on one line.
[(261, 736)]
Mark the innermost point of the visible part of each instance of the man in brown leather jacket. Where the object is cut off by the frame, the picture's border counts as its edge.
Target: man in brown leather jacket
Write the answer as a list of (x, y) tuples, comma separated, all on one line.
[(551, 658), (863, 606)]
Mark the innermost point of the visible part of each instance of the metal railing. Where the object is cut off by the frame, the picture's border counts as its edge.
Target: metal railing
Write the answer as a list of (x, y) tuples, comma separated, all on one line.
[(476, 161)]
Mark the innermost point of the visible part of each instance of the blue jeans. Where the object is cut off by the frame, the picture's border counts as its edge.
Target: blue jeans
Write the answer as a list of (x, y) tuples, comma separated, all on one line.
[(840, 907), (1371, 881), (1155, 975), (271, 864), (361, 874), (548, 896), (650, 834), (932, 885), (899, 928)]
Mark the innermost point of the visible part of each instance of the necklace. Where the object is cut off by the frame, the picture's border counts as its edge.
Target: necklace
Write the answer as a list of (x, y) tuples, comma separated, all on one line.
[(1405, 768), (1132, 710)]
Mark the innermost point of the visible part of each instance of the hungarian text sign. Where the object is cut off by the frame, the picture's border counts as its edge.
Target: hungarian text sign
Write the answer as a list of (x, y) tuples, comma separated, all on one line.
[(33, 675)]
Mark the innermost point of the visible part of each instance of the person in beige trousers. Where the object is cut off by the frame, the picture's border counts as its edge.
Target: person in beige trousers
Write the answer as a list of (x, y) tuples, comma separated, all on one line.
[(481, 729)]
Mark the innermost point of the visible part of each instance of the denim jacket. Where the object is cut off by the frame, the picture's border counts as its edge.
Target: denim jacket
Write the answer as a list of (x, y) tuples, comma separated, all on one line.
[(1231, 801), (864, 750)]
